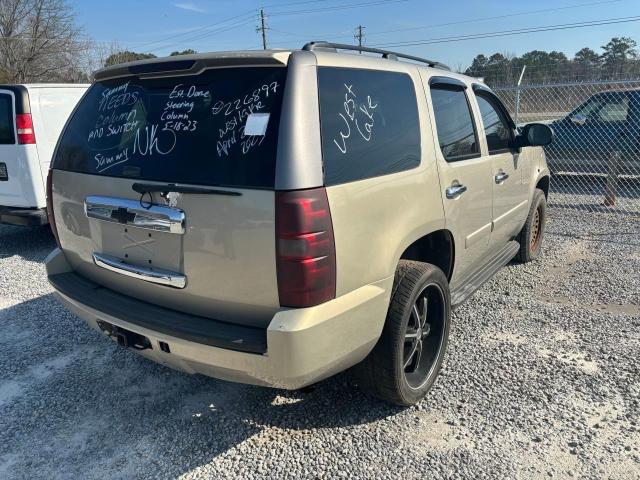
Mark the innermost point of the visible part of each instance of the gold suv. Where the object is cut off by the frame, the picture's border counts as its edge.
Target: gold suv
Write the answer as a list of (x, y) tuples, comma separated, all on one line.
[(276, 217)]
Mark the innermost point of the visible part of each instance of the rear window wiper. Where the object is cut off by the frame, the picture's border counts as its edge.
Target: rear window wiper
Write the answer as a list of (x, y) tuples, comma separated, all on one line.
[(165, 188)]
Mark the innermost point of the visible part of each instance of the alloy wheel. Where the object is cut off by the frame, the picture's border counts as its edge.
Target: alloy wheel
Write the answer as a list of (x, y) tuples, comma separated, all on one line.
[(424, 335)]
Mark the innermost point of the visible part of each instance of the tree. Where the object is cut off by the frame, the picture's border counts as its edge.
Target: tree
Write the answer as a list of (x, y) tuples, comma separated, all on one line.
[(189, 51), (478, 66), (126, 56), (618, 53), (586, 63), (39, 40), (586, 56)]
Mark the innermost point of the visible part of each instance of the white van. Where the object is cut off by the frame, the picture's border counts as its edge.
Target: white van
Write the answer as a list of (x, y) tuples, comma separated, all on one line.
[(31, 119)]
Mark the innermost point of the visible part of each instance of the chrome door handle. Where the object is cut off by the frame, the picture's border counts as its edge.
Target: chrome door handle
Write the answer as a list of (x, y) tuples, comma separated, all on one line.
[(501, 177), (455, 191)]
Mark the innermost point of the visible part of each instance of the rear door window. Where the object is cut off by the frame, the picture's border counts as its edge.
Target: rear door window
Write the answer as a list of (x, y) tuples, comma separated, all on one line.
[(7, 135), (370, 125), (216, 128), (454, 123)]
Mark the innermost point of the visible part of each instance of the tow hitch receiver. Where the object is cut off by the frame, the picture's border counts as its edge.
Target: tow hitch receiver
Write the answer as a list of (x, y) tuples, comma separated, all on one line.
[(125, 338)]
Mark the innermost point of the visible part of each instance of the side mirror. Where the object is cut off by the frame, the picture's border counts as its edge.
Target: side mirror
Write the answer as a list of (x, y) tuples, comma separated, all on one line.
[(579, 119), (534, 135)]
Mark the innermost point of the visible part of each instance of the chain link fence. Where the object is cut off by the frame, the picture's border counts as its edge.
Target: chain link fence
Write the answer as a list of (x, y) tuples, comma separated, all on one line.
[(595, 156)]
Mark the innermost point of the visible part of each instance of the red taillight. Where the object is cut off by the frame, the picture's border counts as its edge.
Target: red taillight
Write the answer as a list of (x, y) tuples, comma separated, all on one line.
[(24, 125), (52, 218), (306, 254)]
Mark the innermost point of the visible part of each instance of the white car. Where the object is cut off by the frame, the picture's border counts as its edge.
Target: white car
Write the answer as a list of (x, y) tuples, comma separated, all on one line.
[(31, 119)]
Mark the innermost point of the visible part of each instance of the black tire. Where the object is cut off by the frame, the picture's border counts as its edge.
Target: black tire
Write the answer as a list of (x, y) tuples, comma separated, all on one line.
[(383, 373), (532, 234)]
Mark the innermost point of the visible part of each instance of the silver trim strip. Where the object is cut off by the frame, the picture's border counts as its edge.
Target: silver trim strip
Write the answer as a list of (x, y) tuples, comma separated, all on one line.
[(131, 212), (159, 276)]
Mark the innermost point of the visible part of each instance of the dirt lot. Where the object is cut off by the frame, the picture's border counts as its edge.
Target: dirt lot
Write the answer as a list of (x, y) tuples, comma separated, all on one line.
[(542, 380)]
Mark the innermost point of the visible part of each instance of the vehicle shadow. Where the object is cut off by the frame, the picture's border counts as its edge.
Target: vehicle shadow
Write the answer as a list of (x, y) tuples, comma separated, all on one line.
[(30, 243), (100, 411)]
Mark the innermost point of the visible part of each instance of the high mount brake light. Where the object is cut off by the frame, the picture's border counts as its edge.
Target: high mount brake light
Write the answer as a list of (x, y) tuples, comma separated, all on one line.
[(24, 125), (305, 248)]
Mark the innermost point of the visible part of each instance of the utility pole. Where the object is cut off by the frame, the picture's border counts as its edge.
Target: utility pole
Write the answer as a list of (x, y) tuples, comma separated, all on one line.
[(263, 29), (359, 36)]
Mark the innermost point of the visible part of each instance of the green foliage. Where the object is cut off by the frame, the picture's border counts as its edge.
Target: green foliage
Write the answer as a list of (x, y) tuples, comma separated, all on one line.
[(188, 51), (126, 56), (618, 53), (619, 59)]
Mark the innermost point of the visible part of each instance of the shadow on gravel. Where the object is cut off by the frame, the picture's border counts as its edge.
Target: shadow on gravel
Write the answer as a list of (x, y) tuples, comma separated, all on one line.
[(74, 404), (31, 243), (620, 238), (594, 208)]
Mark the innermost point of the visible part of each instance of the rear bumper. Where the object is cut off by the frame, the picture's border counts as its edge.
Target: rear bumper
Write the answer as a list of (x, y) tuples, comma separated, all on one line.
[(299, 347), (26, 217)]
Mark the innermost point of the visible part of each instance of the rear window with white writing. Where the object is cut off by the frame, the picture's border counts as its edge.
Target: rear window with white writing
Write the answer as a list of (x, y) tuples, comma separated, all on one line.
[(186, 129), (370, 123)]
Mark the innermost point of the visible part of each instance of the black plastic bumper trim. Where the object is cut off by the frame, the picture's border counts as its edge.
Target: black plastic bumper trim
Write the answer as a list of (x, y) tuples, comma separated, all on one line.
[(192, 328), (26, 217)]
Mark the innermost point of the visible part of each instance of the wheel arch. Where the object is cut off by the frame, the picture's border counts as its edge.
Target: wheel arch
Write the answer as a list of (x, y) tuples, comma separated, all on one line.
[(543, 184), (436, 247)]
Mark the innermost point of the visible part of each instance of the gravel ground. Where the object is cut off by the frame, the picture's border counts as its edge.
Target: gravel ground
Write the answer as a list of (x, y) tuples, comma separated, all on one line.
[(541, 380)]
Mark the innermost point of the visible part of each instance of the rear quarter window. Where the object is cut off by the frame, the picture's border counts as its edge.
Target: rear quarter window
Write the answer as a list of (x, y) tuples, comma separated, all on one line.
[(369, 121), (7, 135), (219, 127)]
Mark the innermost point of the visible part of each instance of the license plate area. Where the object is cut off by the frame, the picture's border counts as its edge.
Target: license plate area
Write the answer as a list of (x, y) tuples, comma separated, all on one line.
[(143, 235), (142, 247), (4, 174)]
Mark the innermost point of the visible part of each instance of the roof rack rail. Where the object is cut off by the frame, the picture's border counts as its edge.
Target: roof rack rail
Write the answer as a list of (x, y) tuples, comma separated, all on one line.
[(334, 47)]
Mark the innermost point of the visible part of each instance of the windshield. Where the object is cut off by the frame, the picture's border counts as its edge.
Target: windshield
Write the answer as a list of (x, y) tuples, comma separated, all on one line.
[(216, 128)]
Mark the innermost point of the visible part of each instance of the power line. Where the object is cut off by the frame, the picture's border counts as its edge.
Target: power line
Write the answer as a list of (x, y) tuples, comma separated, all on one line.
[(207, 34), (343, 34), (333, 8), (247, 17), (250, 13), (497, 17), (503, 33)]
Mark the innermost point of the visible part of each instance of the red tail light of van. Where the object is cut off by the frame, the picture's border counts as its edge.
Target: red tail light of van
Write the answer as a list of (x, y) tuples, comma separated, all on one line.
[(50, 216), (24, 125), (305, 248)]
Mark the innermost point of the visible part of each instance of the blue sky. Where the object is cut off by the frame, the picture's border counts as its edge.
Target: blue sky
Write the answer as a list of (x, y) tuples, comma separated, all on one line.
[(161, 26)]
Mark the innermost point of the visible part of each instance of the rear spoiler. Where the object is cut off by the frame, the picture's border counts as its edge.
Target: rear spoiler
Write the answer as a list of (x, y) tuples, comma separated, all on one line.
[(192, 64)]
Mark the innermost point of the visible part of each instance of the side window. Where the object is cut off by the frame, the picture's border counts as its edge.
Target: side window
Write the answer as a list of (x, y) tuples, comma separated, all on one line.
[(454, 122), (615, 110), (588, 108), (496, 125), (6, 120), (369, 123)]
